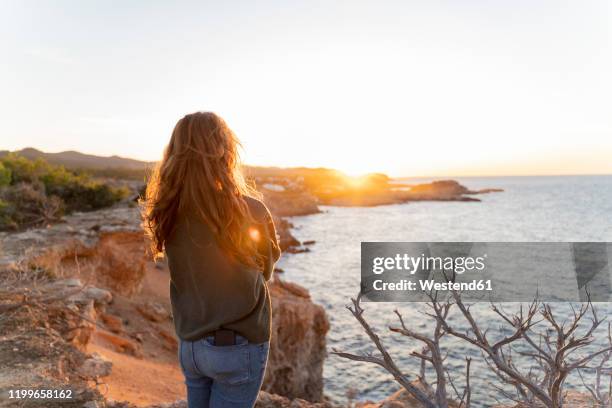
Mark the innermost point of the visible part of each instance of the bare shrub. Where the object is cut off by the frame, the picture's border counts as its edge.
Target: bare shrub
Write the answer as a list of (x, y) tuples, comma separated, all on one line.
[(559, 348), (27, 205)]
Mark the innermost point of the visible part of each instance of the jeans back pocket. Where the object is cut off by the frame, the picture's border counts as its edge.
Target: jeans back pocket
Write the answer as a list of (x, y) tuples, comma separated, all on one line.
[(228, 364)]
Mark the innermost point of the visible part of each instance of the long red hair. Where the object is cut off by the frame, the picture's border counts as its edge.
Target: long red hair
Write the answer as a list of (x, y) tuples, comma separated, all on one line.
[(201, 175)]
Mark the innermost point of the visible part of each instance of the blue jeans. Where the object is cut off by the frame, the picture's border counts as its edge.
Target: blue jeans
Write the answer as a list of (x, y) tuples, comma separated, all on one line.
[(222, 376)]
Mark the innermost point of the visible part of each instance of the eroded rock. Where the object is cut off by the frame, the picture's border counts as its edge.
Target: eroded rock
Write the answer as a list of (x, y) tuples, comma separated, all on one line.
[(120, 344), (106, 248), (170, 341), (112, 323), (175, 404), (103, 247), (297, 347), (264, 400), (290, 203), (73, 291), (267, 400), (100, 297), (286, 240), (95, 367), (402, 399), (123, 258), (154, 311), (75, 322)]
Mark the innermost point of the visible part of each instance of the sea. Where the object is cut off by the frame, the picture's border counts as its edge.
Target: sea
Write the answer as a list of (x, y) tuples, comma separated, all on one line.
[(530, 209)]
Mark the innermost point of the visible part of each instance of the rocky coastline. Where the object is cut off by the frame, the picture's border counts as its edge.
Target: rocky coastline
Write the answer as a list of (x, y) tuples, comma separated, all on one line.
[(291, 192), (79, 285), (83, 286)]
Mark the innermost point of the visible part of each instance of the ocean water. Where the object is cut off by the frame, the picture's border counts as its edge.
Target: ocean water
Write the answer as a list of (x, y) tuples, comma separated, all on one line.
[(553, 209)]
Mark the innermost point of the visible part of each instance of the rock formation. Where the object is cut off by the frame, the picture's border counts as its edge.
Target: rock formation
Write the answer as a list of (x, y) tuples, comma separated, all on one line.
[(288, 203), (264, 400), (107, 247), (285, 239), (401, 399), (267, 400), (297, 348), (43, 336), (90, 257)]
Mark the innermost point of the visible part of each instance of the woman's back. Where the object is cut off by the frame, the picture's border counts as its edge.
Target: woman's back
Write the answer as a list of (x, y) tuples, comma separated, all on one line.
[(221, 248), (211, 291)]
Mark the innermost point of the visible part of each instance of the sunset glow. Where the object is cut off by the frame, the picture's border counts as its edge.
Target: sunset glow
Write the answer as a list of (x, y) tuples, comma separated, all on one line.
[(254, 234), (410, 89)]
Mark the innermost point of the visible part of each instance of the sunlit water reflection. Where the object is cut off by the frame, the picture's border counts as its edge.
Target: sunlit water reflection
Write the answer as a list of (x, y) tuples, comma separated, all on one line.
[(531, 209)]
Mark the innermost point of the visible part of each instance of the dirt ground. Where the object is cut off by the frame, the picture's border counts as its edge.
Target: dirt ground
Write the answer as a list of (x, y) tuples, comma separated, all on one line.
[(150, 374)]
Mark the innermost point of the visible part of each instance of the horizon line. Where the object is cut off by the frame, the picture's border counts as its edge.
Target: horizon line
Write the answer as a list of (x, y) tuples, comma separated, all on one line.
[(504, 175), (485, 175)]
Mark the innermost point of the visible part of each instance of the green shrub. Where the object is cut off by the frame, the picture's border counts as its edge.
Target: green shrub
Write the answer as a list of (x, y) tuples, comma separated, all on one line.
[(22, 169), (5, 218), (88, 196), (35, 192), (117, 173), (5, 176)]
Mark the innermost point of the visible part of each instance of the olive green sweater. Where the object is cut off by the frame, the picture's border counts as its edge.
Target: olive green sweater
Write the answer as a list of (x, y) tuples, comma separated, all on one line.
[(210, 291)]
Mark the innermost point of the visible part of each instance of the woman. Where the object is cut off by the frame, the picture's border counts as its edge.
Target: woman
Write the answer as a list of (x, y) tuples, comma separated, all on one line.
[(221, 247)]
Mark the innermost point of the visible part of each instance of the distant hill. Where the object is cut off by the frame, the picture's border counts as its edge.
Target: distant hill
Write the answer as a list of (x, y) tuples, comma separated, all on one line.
[(123, 168), (76, 160)]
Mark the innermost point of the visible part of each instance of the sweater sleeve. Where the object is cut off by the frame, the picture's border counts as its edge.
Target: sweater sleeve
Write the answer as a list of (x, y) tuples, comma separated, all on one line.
[(267, 245)]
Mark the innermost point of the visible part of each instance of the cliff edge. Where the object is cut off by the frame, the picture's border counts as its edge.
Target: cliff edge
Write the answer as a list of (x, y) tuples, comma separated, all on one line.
[(83, 306)]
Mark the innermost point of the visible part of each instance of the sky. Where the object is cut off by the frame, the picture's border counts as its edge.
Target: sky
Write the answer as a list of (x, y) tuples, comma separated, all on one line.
[(409, 88)]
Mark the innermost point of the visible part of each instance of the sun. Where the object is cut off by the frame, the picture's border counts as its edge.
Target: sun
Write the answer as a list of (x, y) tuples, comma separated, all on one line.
[(355, 181)]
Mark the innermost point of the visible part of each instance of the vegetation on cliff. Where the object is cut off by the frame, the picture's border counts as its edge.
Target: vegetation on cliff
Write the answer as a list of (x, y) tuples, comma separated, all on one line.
[(34, 192), (287, 191)]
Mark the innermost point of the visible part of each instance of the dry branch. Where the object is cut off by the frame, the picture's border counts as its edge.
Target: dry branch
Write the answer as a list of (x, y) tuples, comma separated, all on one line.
[(535, 334)]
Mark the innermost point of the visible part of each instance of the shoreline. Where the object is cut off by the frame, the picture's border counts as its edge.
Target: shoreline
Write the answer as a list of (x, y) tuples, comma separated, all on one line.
[(112, 224), (107, 244), (291, 198)]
